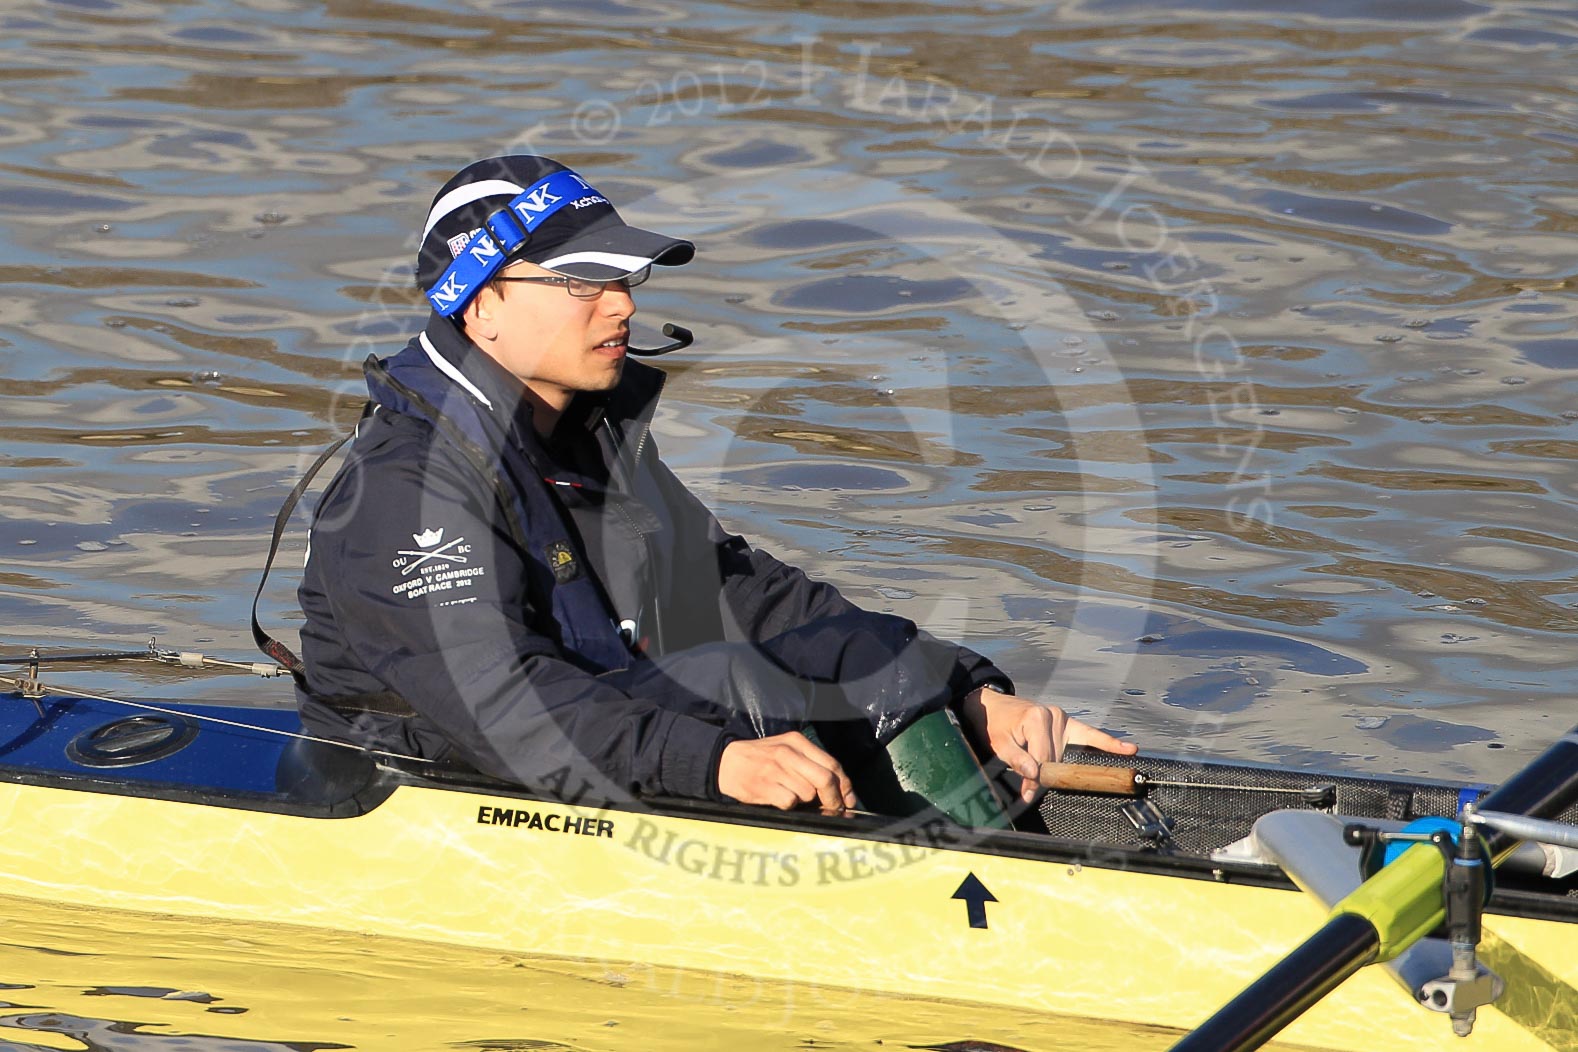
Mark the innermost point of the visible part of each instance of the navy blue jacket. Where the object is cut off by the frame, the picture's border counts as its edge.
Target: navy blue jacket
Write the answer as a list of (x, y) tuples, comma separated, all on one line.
[(562, 612)]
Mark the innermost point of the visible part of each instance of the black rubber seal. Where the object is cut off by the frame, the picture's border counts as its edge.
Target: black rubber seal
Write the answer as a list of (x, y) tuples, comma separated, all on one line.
[(132, 740)]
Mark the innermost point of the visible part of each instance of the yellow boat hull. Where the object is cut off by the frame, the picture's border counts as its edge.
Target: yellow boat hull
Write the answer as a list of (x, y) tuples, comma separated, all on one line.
[(793, 905)]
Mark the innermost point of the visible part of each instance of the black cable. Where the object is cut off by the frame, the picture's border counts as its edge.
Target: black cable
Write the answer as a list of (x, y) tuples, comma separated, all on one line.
[(91, 655)]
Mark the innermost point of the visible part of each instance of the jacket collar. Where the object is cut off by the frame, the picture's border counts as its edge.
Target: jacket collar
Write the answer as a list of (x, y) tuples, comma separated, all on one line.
[(444, 347)]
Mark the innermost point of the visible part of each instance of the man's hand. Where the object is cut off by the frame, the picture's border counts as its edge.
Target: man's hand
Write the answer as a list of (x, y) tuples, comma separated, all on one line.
[(783, 771), (1025, 734)]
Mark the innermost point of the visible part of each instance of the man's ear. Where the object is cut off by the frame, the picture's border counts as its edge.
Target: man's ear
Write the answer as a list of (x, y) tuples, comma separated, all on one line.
[(480, 315)]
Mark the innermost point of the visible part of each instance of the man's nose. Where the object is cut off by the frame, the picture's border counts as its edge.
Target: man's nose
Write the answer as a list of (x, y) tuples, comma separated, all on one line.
[(616, 302)]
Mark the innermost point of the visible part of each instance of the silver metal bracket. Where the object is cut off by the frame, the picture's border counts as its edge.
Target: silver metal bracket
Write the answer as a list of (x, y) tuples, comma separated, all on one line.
[(30, 686), (1155, 828), (1461, 998)]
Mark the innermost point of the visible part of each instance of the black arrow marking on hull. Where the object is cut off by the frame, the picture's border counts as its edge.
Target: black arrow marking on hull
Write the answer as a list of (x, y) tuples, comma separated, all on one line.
[(975, 897)]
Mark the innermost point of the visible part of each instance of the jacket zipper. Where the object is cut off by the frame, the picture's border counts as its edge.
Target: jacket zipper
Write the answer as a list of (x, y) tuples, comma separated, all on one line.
[(648, 575)]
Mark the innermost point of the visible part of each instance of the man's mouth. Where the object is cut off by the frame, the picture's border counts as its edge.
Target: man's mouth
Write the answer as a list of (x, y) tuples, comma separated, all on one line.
[(614, 342)]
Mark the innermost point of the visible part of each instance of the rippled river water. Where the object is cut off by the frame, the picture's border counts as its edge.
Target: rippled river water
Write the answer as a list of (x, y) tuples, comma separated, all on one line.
[(1211, 366)]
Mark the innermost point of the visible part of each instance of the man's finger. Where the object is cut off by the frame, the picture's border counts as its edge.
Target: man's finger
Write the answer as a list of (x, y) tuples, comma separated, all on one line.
[(830, 793), (1039, 731), (1081, 733), (1022, 763), (784, 798), (845, 788), (791, 780), (809, 749), (1036, 730), (821, 772)]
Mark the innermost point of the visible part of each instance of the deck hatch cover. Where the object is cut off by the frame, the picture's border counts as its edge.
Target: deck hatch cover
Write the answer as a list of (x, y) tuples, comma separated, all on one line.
[(131, 740)]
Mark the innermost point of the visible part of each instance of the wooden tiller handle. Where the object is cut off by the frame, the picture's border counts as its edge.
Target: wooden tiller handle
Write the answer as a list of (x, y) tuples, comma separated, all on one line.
[(1086, 778)]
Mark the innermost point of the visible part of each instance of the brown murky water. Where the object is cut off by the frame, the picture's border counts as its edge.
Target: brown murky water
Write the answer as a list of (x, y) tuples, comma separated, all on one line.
[(1212, 367)]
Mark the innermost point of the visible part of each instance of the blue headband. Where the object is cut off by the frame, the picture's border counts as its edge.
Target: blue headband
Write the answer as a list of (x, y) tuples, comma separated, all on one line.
[(501, 234)]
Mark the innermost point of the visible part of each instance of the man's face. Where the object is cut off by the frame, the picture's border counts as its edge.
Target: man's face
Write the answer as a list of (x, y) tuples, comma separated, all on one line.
[(555, 343)]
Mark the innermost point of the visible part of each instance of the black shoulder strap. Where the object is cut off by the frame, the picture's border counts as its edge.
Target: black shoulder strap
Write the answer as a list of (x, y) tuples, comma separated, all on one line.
[(270, 646), (479, 461)]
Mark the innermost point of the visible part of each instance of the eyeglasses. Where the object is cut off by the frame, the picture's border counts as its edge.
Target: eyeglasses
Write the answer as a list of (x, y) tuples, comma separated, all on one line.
[(581, 288)]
